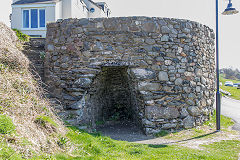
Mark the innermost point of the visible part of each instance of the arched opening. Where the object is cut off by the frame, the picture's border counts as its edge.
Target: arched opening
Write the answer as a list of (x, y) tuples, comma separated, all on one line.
[(116, 100)]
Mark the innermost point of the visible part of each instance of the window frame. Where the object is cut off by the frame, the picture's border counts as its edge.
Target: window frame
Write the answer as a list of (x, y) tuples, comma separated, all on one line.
[(30, 16)]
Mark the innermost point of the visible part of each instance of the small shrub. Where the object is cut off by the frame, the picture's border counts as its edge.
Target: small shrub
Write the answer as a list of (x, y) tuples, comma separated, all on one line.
[(6, 124), (62, 141), (21, 36)]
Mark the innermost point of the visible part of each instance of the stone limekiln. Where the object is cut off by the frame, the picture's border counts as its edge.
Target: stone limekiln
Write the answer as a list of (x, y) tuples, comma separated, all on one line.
[(157, 72)]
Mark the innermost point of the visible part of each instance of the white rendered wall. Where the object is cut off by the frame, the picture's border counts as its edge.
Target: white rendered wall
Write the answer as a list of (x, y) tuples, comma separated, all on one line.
[(14, 1), (17, 14), (66, 9), (16, 21), (58, 11), (77, 9)]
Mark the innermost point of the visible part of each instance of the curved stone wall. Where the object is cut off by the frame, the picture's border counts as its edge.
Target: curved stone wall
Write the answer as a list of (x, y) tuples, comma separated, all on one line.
[(168, 67)]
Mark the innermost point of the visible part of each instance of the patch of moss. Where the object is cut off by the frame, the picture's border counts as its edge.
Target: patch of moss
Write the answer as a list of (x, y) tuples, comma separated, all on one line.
[(6, 124), (44, 120), (161, 133)]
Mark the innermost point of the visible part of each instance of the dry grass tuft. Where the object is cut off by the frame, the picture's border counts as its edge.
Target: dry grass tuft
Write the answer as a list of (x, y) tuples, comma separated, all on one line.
[(9, 49), (22, 99)]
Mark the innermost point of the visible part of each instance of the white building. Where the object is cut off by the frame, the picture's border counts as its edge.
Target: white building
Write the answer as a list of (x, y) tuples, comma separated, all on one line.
[(31, 16)]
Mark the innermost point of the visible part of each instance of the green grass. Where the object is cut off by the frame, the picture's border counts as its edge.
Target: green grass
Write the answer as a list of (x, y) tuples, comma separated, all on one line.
[(44, 120), (226, 122), (93, 147), (205, 131), (7, 153), (6, 124), (233, 90), (85, 146)]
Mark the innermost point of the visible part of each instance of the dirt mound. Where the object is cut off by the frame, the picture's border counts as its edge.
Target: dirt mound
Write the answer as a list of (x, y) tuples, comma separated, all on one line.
[(37, 129)]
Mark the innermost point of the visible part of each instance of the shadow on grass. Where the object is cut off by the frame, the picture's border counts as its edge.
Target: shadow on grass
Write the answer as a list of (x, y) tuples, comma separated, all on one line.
[(198, 137), (157, 146)]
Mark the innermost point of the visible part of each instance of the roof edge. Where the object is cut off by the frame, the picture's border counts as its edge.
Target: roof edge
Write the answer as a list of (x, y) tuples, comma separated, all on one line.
[(45, 2)]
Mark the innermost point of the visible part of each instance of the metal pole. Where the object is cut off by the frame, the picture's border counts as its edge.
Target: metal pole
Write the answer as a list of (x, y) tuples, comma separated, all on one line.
[(218, 101)]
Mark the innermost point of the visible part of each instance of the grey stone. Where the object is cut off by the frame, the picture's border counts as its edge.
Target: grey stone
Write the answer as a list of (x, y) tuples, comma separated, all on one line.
[(182, 35), (64, 65), (148, 123), (54, 58), (188, 122), (147, 86), (169, 126), (98, 46), (50, 47), (186, 30), (156, 63), (184, 113), (163, 76), (194, 111), (155, 112), (149, 27), (178, 81), (78, 105), (190, 102), (143, 73), (83, 82), (165, 29), (203, 80), (150, 41), (198, 72), (174, 31), (65, 59), (68, 97), (168, 62), (165, 38)]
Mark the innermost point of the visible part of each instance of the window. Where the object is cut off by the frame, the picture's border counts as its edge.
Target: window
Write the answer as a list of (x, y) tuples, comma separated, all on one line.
[(34, 18), (26, 19), (42, 17)]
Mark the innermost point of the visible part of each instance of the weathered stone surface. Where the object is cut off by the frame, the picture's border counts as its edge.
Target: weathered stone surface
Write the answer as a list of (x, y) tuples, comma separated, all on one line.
[(83, 82), (184, 113), (147, 86), (163, 76), (149, 123), (154, 112), (169, 125), (198, 89), (165, 29), (77, 105), (50, 47), (150, 41), (143, 73), (178, 81), (188, 122), (165, 38), (194, 111), (161, 68)]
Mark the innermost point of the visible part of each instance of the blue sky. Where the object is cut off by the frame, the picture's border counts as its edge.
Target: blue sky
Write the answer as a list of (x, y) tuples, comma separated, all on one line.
[(202, 11)]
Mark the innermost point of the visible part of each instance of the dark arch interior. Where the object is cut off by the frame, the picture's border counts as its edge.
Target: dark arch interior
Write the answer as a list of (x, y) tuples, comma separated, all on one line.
[(117, 94), (116, 98)]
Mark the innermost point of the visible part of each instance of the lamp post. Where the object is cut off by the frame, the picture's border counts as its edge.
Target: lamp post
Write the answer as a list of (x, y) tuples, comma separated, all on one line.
[(228, 11)]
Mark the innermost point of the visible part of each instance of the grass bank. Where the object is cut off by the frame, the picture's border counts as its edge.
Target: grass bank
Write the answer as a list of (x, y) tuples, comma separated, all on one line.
[(235, 93), (95, 146)]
